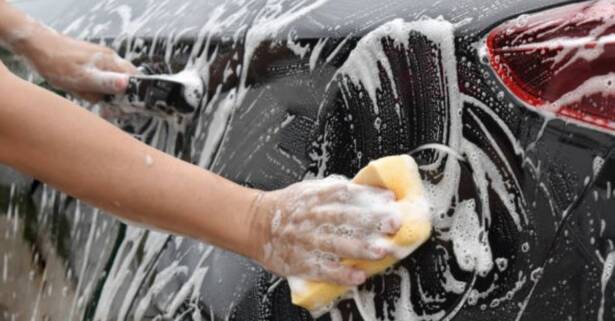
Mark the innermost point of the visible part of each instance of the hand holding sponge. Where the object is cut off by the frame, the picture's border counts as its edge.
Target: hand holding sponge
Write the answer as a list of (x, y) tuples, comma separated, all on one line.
[(400, 175)]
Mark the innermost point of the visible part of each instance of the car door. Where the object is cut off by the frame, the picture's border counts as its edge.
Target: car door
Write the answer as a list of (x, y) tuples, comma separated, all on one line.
[(304, 89)]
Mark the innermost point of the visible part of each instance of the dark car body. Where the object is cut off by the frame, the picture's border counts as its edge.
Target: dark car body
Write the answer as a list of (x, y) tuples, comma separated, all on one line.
[(302, 89)]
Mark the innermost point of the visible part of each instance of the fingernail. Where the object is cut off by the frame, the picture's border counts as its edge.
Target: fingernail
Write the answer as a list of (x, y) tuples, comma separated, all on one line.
[(377, 252), (121, 83), (358, 277), (391, 225), (385, 226)]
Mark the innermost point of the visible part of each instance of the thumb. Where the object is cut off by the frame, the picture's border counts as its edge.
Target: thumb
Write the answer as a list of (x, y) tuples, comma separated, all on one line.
[(106, 82)]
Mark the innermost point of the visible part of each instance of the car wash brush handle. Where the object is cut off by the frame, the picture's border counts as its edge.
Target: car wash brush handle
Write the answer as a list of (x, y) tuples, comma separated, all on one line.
[(181, 94)]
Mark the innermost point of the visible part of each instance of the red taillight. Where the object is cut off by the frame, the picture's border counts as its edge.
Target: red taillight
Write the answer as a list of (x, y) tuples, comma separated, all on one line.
[(561, 60)]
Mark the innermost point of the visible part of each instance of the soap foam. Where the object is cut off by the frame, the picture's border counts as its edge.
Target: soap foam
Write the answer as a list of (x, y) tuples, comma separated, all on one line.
[(467, 228), (193, 85), (218, 113), (607, 273), (470, 242)]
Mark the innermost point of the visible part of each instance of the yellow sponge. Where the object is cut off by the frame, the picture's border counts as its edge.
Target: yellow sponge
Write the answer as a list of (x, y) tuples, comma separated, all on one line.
[(400, 175)]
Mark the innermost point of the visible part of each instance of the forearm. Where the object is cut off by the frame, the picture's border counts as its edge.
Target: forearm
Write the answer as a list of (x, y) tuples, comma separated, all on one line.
[(49, 138)]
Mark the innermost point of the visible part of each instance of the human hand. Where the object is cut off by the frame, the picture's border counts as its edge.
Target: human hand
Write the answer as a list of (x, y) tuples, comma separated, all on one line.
[(310, 226), (81, 68)]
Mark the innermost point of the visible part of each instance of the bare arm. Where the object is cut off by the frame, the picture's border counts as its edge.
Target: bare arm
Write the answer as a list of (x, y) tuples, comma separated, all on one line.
[(48, 137), (291, 231), (302, 230)]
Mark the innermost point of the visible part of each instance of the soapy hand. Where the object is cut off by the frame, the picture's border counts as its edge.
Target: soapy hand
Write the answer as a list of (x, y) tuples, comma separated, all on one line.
[(79, 67), (310, 226)]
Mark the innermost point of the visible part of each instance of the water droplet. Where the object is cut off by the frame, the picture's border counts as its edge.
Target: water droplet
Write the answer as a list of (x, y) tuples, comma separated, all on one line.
[(536, 275), (501, 95), (149, 161), (502, 263), (522, 20)]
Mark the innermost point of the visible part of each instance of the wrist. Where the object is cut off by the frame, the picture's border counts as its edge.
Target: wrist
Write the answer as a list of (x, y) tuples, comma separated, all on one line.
[(18, 30), (259, 233), (33, 42)]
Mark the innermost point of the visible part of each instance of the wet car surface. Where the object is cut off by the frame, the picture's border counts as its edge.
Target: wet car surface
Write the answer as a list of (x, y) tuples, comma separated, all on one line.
[(305, 89)]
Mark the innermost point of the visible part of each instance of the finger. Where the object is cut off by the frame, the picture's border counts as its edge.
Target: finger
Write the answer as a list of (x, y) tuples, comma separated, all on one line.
[(354, 194), (370, 194), (382, 219), (335, 214), (343, 275), (351, 248), (126, 66), (93, 98), (390, 223), (112, 62), (109, 113), (105, 82)]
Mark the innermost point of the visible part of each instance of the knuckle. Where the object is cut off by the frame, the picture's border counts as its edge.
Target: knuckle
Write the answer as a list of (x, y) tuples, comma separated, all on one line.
[(394, 222), (329, 216), (357, 216), (334, 185), (360, 250), (327, 244), (378, 221), (325, 214), (344, 189), (296, 217), (287, 233)]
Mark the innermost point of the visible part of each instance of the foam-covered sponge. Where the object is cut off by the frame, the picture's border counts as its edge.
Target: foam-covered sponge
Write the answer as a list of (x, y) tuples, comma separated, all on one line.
[(400, 175)]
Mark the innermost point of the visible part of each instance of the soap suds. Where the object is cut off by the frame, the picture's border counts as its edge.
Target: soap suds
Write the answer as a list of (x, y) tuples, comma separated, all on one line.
[(470, 242), (128, 271), (466, 229), (193, 85), (501, 263), (607, 273), (307, 216)]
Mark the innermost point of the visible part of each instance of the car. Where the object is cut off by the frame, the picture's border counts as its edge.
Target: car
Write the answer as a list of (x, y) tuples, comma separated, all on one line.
[(507, 106)]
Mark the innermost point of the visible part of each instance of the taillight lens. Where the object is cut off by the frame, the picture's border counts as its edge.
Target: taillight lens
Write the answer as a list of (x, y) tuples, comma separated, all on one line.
[(561, 60)]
